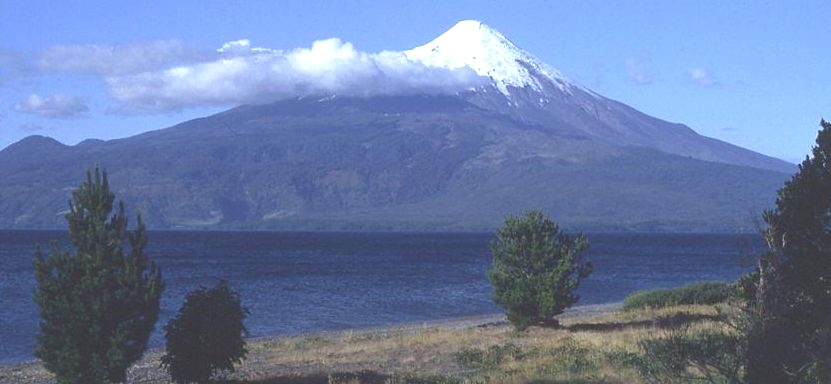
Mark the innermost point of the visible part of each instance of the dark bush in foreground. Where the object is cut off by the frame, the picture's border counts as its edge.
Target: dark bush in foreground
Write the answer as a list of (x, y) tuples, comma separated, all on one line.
[(206, 336), (697, 293)]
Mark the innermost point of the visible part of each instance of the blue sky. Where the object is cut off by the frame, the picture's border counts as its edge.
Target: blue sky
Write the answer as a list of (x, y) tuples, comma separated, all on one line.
[(753, 73)]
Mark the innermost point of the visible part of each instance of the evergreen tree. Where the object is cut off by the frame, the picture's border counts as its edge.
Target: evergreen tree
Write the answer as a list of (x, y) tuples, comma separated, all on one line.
[(790, 336), (98, 306), (536, 269), (206, 336)]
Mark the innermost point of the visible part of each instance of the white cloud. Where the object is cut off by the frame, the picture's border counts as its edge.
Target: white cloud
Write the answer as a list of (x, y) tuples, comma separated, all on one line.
[(118, 60), (161, 76), (638, 72), (702, 77), (243, 47), (244, 74), (55, 106)]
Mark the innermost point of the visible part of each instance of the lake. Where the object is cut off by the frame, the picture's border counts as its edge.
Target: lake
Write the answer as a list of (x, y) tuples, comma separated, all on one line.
[(302, 282)]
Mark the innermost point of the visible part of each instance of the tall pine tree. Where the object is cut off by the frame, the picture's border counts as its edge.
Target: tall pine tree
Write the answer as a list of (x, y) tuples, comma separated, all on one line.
[(790, 338), (98, 306)]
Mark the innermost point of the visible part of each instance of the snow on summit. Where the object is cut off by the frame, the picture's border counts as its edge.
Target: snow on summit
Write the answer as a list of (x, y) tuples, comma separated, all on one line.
[(476, 45)]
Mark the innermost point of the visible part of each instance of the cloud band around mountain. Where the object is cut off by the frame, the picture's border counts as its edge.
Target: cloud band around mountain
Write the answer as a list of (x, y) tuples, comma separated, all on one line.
[(239, 73)]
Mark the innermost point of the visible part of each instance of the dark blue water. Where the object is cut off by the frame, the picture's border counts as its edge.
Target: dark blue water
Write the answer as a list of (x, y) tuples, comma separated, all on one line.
[(301, 282)]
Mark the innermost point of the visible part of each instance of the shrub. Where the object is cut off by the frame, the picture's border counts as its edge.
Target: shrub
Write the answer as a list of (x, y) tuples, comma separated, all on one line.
[(408, 378), (206, 336), (536, 269), (696, 293), (492, 357), (571, 359), (98, 306), (373, 377), (683, 356)]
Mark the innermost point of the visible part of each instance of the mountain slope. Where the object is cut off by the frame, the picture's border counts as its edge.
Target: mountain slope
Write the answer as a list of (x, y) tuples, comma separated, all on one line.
[(530, 139), (416, 162), (529, 90)]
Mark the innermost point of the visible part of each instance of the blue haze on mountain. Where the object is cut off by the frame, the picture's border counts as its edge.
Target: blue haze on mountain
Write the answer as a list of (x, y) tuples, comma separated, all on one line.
[(527, 138)]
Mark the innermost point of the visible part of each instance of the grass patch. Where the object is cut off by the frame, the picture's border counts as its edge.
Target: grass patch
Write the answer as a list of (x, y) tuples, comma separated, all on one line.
[(608, 347), (690, 355), (709, 292), (361, 377), (493, 356)]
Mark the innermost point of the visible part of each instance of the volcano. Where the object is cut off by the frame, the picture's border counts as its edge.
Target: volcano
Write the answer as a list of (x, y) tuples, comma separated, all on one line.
[(526, 137)]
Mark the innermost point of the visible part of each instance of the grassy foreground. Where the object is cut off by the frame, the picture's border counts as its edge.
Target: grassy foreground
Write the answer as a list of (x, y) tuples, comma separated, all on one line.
[(586, 349)]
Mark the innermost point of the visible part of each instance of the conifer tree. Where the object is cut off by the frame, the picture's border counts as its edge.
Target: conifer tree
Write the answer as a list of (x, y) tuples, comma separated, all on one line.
[(536, 269), (790, 335), (99, 305)]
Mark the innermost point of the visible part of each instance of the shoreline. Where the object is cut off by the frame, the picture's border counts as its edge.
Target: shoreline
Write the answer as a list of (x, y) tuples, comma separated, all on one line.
[(32, 371), (460, 322)]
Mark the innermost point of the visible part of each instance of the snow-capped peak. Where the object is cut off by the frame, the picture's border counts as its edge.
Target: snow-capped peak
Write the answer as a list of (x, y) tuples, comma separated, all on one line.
[(487, 52)]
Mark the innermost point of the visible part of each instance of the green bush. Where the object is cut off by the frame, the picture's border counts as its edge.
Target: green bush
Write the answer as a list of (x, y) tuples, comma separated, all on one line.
[(571, 359), (409, 378), (206, 336), (536, 269), (696, 293), (683, 356), (475, 358)]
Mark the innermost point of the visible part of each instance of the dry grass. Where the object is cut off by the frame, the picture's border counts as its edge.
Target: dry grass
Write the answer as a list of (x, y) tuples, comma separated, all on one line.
[(584, 350)]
